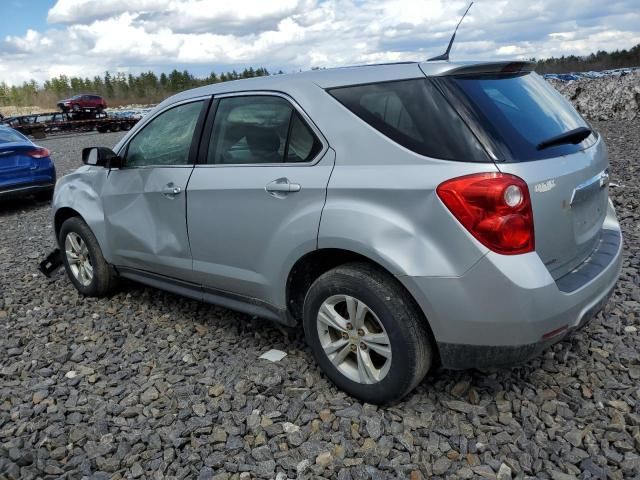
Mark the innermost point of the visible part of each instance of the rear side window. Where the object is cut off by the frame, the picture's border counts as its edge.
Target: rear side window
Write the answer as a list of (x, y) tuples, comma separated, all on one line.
[(303, 145), (416, 115), (518, 112), (10, 136), (260, 129)]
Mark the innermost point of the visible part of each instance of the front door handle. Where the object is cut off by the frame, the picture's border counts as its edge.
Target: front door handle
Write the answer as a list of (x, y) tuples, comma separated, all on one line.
[(281, 187), (170, 190)]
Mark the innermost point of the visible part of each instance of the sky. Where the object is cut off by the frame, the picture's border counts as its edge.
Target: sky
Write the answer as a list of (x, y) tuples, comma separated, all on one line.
[(40, 39)]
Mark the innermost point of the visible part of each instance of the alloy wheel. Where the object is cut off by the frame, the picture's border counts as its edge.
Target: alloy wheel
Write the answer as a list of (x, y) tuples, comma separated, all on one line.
[(354, 339), (78, 258)]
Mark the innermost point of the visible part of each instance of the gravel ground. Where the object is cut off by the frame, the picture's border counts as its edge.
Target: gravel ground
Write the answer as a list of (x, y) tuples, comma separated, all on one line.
[(149, 384), (605, 98)]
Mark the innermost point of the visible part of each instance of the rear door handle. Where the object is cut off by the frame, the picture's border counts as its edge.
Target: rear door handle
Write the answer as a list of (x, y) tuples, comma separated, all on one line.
[(170, 190), (282, 186)]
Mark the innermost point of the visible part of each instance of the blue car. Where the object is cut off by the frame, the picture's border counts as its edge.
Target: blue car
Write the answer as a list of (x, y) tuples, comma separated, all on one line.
[(25, 168)]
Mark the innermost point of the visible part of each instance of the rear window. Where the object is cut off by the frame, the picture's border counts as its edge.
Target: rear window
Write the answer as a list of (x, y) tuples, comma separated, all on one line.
[(517, 113), (9, 136), (416, 115)]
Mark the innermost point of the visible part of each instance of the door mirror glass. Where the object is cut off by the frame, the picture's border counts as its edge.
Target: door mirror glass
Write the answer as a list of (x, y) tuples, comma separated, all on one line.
[(100, 157)]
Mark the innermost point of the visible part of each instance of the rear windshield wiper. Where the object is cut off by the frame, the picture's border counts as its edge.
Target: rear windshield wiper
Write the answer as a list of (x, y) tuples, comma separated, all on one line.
[(574, 136)]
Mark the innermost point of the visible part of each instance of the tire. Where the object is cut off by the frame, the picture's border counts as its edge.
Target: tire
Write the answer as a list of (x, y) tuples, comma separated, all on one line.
[(114, 127), (390, 307), (103, 280)]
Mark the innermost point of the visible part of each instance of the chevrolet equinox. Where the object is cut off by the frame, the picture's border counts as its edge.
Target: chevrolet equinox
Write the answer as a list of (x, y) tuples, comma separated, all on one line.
[(404, 214)]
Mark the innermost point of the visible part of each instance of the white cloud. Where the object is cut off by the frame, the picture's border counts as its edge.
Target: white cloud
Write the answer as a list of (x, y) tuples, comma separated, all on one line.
[(88, 37)]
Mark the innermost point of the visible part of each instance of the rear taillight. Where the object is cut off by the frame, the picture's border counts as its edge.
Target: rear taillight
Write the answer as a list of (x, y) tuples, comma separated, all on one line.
[(494, 207), (38, 152)]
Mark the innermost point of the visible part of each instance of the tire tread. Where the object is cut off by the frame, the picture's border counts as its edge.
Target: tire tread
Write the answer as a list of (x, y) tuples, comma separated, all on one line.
[(406, 311), (104, 280)]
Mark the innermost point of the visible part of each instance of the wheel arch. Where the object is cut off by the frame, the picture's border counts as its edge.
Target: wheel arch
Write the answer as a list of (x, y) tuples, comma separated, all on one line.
[(313, 264), (62, 215), (76, 195)]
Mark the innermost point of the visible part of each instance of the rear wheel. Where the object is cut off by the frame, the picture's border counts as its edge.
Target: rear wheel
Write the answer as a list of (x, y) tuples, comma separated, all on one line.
[(86, 267), (366, 333)]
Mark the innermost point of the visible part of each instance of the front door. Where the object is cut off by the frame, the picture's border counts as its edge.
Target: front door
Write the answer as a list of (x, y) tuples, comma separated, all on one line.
[(145, 200), (255, 202)]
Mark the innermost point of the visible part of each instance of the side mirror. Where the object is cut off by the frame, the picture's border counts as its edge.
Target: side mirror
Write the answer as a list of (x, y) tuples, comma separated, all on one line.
[(101, 157)]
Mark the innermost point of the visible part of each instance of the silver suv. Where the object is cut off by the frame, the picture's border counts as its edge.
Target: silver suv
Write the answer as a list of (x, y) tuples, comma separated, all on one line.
[(405, 215)]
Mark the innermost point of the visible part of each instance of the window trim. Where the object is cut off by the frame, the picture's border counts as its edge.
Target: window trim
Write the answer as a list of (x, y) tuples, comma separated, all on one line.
[(195, 141), (210, 122)]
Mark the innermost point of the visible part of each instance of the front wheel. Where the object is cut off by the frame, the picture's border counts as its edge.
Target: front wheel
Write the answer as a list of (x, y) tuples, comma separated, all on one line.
[(366, 333), (83, 260)]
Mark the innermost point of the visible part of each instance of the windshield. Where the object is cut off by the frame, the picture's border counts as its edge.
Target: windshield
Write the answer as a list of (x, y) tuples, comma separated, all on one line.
[(517, 113)]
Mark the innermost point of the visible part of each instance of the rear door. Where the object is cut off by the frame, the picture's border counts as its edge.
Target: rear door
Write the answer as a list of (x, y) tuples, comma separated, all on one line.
[(145, 200), (518, 114), (256, 197)]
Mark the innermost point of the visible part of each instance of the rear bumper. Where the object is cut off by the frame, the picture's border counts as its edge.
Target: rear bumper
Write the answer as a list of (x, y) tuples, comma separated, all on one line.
[(507, 309), (459, 356)]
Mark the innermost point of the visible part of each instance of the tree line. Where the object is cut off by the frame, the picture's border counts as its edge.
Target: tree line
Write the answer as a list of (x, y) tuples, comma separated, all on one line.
[(118, 89), (600, 60), (147, 88)]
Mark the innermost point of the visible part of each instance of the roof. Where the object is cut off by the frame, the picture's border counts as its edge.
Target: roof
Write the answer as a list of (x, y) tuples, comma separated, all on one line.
[(343, 76)]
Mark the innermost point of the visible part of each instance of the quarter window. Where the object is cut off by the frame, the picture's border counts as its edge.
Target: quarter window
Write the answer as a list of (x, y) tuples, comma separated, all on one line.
[(414, 114), (260, 129), (166, 140)]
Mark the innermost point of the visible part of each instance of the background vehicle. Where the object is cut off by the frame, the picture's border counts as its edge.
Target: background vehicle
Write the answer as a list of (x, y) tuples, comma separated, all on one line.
[(402, 214), (79, 103), (18, 122), (24, 167), (41, 124)]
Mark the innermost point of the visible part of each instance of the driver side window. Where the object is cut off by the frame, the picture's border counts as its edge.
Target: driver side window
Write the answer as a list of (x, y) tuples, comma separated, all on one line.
[(166, 140)]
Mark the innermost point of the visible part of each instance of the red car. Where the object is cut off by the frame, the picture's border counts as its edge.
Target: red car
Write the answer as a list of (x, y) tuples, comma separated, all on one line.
[(79, 103)]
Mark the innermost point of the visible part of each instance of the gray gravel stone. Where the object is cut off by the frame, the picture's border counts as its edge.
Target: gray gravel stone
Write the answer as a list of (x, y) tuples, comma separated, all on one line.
[(169, 385), (441, 465)]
